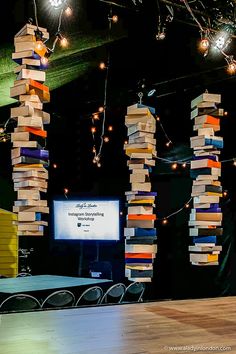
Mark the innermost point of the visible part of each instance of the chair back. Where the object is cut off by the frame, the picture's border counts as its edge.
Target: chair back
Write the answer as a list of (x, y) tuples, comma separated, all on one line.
[(90, 296), (134, 292), (23, 274), (20, 302), (60, 298), (114, 294)]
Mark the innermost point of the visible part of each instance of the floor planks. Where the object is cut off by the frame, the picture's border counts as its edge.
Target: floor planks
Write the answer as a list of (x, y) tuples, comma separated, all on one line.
[(205, 326)]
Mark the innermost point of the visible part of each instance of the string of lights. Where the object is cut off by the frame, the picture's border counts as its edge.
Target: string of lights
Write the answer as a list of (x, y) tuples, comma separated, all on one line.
[(186, 205), (103, 110)]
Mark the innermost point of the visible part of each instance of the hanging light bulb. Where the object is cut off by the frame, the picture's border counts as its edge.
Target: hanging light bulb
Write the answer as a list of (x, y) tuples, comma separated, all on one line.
[(231, 68), (157, 118), (1, 130), (184, 164), (64, 42), (101, 109), (126, 142), (110, 128), (93, 130), (187, 205), (94, 149), (99, 164), (44, 61), (106, 139), (4, 139), (168, 143), (174, 166), (225, 193), (115, 18), (96, 116), (54, 165), (39, 45), (66, 190), (234, 163), (164, 221), (102, 65), (68, 11)]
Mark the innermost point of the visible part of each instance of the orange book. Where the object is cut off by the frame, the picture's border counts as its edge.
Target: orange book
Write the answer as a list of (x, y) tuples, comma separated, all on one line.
[(35, 131), (139, 255), (141, 217), (39, 86)]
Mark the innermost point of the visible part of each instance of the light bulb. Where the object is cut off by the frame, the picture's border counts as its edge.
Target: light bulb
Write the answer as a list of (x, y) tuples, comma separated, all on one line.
[(234, 163), (125, 142), (99, 164), (64, 42), (174, 166), (66, 190), (39, 45), (187, 205), (4, 139), (44, 61), (101, 109), (204, 44), (68, 11), (225, 193), (1, 130), (54, 165), (157, 118), (164, 221), (110, 128), (95, 116), (93, 130), (94, 150), (102, 66), (184, 165), (106, 139), (114, 18), (231, 68), (168, 143)]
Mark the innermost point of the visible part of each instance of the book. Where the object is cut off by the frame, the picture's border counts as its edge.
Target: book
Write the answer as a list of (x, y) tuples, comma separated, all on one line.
[(141, 240), (144, 127), (140, 210), (36, 153), (204, 223), (213, 171), (206, 97), (203, 163), (140, 249), (206, 199), (203, 257), (205, 240), (28, 195), (133, 178), (38, 209), (141, 186), (139, 232), (132, 119), (140, 109), (140, 223), (207, 249), (205, 216), (142, 139), (29, 29), (28, 160), (138, 273)]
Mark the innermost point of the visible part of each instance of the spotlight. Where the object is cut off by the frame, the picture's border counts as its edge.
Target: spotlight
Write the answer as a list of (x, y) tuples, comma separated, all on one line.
[(57, 3)]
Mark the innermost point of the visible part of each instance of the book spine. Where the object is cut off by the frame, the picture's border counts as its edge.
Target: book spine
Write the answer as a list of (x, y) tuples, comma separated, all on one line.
[(205, 219), (140, 233)]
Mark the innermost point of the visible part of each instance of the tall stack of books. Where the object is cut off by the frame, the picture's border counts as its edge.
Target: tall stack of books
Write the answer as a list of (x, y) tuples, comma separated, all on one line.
[(206, 216), (140, 233), (29, 156), (8, 244)]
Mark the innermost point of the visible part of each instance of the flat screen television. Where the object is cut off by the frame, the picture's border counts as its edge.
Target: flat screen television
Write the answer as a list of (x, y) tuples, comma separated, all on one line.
[(86, 219)]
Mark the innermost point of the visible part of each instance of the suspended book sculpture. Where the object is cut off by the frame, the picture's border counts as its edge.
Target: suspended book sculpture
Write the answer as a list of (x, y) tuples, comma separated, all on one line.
[(29, 157), (140, 233), (206, 218)]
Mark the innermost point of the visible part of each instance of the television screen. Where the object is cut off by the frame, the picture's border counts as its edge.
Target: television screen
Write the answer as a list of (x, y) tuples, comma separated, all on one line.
[(86, 219)]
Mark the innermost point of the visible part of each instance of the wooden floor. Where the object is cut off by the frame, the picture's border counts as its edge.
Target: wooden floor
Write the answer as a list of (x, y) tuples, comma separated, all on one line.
[(183, 326)]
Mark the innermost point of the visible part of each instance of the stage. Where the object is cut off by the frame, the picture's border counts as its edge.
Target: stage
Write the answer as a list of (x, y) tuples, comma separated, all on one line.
[(205, 325)]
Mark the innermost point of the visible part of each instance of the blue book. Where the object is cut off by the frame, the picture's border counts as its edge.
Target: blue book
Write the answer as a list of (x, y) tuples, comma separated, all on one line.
[(200, 171), (34, 56), (216, 143), (37, 216), (138, 231), (37, 153), (204, 239), (146, 193), (211, 210)]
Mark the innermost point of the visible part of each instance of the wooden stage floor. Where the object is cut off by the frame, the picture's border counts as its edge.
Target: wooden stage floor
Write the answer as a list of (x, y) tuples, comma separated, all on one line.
[(183, 326)]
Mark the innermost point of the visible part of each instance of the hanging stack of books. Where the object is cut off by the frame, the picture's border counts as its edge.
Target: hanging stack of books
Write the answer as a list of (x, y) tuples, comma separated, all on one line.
[(8, 244), (206, 216), (140, 233), (29, 156)]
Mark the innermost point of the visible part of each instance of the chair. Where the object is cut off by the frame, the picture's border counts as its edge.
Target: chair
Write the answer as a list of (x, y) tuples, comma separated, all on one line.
[(114, 294), (23, 275), (20, 302), (60, 298), (90, 296), (134, 292)]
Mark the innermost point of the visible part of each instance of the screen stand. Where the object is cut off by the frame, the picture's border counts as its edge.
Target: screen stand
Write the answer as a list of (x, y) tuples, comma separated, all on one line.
[(97, 251), (81, 258)]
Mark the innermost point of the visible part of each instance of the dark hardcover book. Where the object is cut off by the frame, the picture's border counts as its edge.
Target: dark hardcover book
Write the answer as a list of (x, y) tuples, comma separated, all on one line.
[(33, 160), (209, 157), (200, 171), (36, 153), (218, 231), (140, 241), (145, 232), (138, 204), (211, 188), (135, 273), (205, 239), (211, 210), (146, 193), (138, 260)]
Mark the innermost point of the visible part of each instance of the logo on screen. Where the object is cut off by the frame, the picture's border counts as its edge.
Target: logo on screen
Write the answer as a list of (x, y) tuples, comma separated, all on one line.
[(86, 205)]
